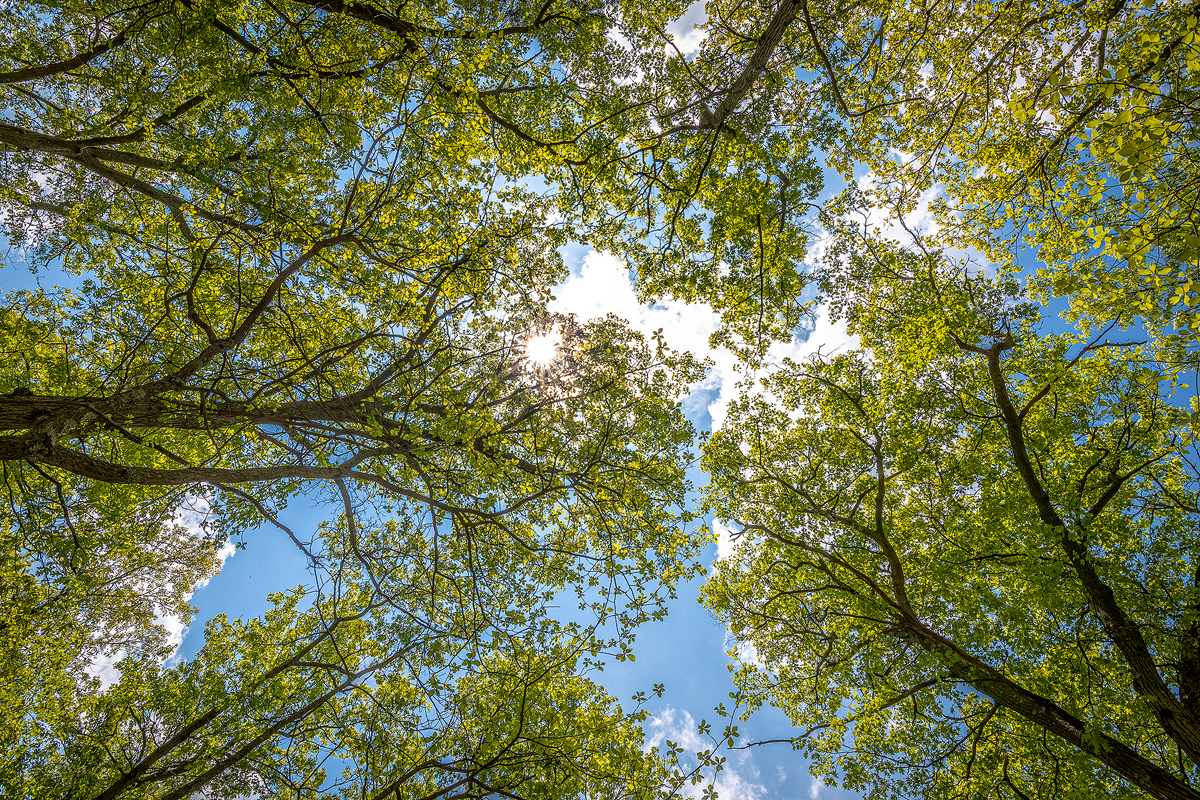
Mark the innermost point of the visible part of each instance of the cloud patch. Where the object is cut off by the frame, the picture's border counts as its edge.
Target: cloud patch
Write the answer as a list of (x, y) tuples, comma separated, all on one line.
[(737, 781), (602, 285)]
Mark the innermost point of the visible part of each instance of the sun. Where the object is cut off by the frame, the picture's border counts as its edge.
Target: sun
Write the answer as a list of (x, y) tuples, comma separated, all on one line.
[(542, 350)]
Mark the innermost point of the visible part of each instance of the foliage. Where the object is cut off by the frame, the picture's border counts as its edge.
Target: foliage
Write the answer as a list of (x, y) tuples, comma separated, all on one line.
[(343, 699), (1067, 128), (964, 565), (964, 558), (304, 244), (302, 263)]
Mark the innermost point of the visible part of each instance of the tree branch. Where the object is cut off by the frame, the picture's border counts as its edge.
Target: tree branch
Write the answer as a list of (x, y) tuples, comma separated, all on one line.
[(1177, 721)]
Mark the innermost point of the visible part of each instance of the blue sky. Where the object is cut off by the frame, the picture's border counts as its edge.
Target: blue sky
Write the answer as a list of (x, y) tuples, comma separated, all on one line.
[(687, 651)]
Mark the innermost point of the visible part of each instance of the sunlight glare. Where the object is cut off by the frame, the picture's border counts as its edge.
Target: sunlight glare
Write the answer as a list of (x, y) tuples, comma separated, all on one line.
[(541, 350)]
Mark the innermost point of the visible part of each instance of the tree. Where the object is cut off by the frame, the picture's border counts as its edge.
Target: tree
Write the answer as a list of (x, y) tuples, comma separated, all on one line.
[(304, 265), (880, 494), (965, 558), (344, 698)]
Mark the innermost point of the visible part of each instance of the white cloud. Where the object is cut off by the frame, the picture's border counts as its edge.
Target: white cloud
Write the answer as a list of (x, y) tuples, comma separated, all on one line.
[(747, 653), (683, 30), (920, 220), (678, 726), (173, 624), (734, 782), (104, 667), (827, 338), (602, 286), (732, 785), (616, 37), (725, 542)]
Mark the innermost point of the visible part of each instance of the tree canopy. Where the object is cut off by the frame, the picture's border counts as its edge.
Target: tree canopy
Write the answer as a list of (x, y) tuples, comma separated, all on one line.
[(305, 244), (966, 561), (306, 268)]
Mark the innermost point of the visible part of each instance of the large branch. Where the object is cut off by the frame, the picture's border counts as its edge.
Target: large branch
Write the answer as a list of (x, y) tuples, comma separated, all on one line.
[(784, 16), (42, 449), (37, 448), (97, 160), (411, 31), (79, 413), (989, 680), (23, 412), (46, 70), (1122, 759), (1179, 722), (238, 335)]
